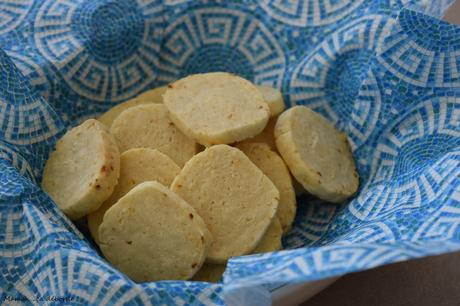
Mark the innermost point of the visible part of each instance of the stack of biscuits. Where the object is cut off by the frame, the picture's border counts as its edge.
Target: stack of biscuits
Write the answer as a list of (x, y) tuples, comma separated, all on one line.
[(181, 178)]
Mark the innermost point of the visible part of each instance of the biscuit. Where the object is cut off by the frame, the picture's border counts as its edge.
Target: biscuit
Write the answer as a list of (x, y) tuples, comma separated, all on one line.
[(149, 126), (151, 234), (136, 166), (83, 170), (235, 199), (273, 98), (216, 108), (317, 154), (274, 168), (271, 241)]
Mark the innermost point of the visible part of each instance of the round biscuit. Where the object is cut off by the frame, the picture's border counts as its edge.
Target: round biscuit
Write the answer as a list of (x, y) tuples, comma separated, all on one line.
[(151, 234), (82, 171), (149, 126), (216, 108), (317, 154), (235, 199)]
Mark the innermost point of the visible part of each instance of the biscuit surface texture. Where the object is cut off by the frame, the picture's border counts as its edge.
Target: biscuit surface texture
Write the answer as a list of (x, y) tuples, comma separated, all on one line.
[(235, 199), (317, 154), (83, 170), (152, 234), (149, 126), (216, 108)]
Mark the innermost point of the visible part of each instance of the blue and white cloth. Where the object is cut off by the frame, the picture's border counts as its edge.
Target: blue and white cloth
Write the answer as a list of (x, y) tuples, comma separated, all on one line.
[(385, 72)]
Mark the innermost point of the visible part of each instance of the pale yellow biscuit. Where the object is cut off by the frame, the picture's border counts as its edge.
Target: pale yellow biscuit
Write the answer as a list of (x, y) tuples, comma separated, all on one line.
[(211, 273), (317, 154), (235, 199), (136, 166), (267, 136), (216, 108), (153, 95), (152, 234), (273, 166), (271, 241), (274, 99), (149, 126), (83, 170)]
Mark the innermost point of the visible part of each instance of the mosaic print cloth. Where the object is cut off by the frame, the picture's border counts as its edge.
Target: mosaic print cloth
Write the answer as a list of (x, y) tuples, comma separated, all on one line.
[(386, 72)]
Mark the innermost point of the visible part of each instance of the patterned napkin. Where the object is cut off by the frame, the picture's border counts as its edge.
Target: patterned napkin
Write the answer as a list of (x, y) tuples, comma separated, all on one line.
[(385, 72)]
